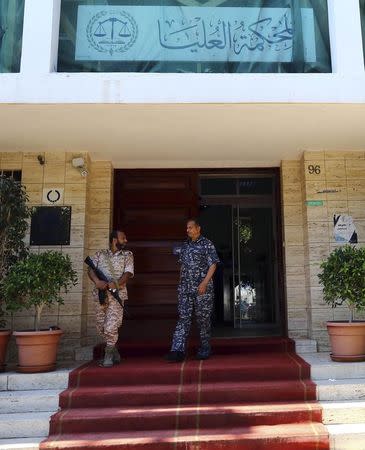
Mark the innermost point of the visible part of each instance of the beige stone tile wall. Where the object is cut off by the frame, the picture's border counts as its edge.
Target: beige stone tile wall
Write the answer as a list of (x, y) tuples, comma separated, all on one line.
[(338, 180), (99, 201), (90, 199), (292, 207)]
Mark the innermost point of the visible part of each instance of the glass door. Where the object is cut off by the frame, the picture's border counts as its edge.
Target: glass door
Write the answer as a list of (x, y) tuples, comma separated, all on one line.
[(240, 215), (254, 267)]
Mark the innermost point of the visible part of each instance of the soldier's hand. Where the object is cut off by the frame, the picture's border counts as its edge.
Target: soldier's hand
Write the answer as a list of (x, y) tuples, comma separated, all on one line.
[(102, 285), (202, 288), (112, 285)]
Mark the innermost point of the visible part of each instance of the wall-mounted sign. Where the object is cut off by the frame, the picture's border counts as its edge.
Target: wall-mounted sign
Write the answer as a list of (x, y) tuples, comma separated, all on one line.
[(52, 196), (314, 202), (344, 229), (50, 225), (191, 33)]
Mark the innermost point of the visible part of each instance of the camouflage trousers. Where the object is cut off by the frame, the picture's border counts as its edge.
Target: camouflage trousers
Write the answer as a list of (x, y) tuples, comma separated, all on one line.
[(203, 307), (109, 318)]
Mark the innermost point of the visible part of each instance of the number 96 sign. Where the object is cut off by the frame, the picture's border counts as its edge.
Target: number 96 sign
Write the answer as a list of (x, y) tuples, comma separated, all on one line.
[(314, 169)]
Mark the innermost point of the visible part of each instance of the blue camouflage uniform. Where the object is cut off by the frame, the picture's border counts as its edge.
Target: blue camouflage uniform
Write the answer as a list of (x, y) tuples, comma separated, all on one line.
[(195, 258)]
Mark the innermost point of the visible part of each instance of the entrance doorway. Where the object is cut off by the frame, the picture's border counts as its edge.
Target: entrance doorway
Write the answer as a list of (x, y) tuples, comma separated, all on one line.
[(239, 213)]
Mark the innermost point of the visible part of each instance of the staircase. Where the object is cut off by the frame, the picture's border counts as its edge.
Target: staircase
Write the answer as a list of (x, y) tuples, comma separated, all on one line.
[(252, 394), (26, 404), (341, 393)]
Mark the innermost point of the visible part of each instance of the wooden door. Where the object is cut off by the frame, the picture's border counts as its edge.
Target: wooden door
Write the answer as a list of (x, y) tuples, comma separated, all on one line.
[(152, 207)]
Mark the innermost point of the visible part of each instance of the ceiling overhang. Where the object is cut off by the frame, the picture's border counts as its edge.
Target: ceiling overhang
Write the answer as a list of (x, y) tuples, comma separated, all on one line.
[(184, 135)]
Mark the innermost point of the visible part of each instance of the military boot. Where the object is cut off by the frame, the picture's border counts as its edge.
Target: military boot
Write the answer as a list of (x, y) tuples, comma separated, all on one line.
[(108, 356), (116, 356)]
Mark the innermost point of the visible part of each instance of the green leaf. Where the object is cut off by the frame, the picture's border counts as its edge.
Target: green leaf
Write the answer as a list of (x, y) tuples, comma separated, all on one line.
[(343, 277)]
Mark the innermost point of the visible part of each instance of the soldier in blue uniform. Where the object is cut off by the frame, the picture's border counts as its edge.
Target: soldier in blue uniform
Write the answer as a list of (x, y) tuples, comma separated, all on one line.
[(198, 259)]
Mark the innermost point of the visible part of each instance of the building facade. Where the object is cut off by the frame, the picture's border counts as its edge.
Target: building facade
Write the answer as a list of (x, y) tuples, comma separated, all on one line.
[(296, 118)]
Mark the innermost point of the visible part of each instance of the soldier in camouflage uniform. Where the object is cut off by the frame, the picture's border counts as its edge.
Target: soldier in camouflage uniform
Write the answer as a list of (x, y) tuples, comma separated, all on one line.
[(198, 259), (117, 264)]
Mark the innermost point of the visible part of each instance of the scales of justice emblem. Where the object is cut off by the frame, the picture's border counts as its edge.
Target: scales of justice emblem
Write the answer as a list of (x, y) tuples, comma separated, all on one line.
[(112, 31)]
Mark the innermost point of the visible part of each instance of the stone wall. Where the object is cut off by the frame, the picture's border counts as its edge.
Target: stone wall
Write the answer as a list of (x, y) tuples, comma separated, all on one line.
[(98, 225), (90, 200), (339, 182), (293, 227), (315, 188)]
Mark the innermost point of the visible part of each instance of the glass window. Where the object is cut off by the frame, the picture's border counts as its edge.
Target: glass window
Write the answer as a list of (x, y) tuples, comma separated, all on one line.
[(236, 186), (255, 186), (16, 174), (11, 32), (217, 36), (362, 14), (218, 186)]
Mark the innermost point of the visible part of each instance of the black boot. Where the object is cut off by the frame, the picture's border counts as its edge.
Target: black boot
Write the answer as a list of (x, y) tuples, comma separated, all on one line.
[(175, 356), (204, 353), (116, 356)]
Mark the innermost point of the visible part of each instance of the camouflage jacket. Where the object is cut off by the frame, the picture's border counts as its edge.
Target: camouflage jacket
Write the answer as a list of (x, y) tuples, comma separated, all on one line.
[(195, 258), (114, 265)]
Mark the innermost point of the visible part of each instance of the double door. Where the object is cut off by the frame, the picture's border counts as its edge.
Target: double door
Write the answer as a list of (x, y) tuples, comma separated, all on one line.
[(237, 213)]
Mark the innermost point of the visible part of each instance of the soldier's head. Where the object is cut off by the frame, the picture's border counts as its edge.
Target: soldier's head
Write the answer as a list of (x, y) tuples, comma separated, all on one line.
[(117, 240), (193, 229)]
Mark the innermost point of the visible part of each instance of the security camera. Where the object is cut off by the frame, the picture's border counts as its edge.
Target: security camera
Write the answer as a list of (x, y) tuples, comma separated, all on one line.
[(79, 164)]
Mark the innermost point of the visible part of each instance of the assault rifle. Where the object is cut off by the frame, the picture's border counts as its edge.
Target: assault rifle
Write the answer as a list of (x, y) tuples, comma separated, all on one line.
[(101, 293)]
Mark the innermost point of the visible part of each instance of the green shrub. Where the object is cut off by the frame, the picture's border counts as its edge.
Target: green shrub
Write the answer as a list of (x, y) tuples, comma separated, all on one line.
[(37, 281), (14, 215), (343, 278)]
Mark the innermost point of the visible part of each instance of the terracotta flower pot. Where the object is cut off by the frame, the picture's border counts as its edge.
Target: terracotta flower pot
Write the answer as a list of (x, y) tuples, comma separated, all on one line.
[(37, 350), (347, 341), (4, 339)]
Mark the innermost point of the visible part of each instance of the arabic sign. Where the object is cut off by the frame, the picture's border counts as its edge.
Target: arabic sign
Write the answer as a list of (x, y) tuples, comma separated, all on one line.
[(344, 229), (172, 33)]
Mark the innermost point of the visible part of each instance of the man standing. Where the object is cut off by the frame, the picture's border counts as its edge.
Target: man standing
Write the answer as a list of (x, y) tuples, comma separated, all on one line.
[(198, 259), (118, 266)]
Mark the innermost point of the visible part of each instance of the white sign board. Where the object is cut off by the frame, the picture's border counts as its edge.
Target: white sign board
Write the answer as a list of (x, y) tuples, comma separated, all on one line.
[(344, 229), (181, 33)]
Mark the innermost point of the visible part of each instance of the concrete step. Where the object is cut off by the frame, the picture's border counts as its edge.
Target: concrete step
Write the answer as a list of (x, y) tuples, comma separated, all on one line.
[(341, 390), (13, 381), (29, 401), (305, 345), (347, 436), (323, 368), (336, 413), (19, 425), (20, 444)]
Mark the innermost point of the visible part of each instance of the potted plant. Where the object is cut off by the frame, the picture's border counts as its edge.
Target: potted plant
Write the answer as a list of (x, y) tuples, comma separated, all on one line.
[(35, 282), (343, 280), (13, 225)]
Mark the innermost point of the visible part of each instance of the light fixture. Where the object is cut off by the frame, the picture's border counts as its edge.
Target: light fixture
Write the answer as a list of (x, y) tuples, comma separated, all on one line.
[(79, 164), (41, 159)]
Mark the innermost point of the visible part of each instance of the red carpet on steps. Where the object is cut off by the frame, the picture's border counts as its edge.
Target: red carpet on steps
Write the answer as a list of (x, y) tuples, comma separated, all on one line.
[(252, 394)]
